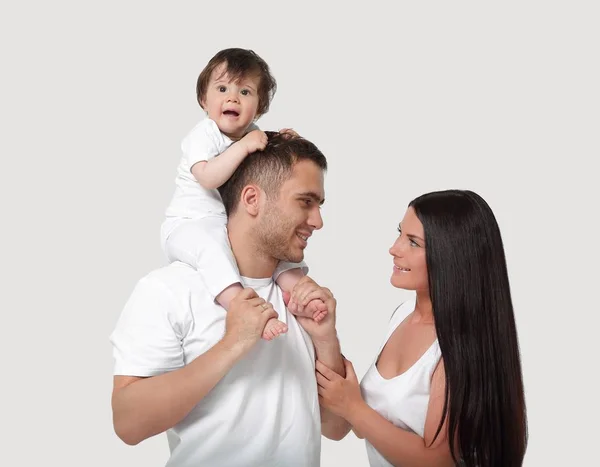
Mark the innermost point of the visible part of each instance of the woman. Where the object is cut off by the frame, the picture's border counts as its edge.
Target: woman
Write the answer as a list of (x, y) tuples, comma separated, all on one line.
[(446, 386)]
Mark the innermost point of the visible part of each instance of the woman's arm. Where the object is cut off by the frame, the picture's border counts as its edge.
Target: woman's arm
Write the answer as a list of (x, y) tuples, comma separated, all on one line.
[(400, 447)]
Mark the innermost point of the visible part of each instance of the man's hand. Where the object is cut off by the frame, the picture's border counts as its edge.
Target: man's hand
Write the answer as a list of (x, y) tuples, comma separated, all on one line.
[(302, 302), (254, 141), (307, 290), (246, 319)]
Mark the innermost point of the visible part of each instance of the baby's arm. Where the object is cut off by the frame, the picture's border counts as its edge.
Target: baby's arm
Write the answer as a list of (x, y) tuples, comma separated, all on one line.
[(314, 309), (216, 171)]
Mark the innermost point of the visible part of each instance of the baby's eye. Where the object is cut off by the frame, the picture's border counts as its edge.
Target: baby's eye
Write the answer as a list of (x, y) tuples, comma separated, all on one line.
[(245, 92), (222, 89)]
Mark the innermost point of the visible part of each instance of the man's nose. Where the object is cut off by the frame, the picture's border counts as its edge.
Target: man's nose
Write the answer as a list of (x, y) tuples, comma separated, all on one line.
[(316, 220)]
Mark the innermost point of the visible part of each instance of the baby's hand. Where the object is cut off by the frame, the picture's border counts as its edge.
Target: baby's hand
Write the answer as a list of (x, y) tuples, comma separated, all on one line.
[(290, 132), (254, 141)]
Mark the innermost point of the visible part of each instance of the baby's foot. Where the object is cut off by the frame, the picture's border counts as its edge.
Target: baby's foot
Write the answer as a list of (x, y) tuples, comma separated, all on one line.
[(274, 328), (317, 309)]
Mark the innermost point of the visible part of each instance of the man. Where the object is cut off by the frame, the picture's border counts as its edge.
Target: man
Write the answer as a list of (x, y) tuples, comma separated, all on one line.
[(186, 366)]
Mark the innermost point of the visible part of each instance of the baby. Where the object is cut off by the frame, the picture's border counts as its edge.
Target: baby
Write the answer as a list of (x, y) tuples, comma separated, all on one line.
[(234, 89)]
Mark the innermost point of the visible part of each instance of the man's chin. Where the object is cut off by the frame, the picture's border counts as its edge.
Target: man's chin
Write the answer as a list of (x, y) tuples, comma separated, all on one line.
[(294, 257)]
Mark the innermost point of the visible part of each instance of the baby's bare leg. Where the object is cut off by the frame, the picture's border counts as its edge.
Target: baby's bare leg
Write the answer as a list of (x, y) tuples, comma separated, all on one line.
[(225, 297)]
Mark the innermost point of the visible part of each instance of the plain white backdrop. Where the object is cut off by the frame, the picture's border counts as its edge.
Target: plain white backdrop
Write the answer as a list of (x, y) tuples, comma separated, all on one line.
[(501, 98)]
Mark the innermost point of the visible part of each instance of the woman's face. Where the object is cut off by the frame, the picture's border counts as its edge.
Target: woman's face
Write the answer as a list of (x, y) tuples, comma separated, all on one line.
[(410, 267)]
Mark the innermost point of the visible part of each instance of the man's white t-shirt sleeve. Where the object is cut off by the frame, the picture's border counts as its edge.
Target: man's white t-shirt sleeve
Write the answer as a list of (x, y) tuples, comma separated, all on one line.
[(203, 143), (147, 338)]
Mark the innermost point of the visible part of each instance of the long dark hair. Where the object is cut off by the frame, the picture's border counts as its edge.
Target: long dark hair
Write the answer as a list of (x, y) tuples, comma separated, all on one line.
[(475, 325)]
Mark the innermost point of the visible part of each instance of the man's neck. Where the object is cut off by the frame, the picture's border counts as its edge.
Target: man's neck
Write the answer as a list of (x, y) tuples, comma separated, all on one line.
[(251, 260)]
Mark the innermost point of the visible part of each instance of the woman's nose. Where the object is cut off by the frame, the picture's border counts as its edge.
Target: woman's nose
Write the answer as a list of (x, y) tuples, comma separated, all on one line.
[(396, 248)]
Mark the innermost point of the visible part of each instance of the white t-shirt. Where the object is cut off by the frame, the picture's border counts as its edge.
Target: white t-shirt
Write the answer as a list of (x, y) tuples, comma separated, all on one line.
[(191, 200), (404, 399), (264, 412)]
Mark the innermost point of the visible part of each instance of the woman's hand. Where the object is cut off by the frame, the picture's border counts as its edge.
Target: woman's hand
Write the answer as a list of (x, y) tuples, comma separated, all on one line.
[(340, 396)]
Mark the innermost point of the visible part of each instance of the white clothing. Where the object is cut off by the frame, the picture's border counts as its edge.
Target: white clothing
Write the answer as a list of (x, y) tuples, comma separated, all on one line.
[(191, 200), (203, 243), (264, 412), (194, 230), (402, 400)]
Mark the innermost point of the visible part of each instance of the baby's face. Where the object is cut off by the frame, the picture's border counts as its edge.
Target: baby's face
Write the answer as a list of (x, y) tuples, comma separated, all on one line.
[(231, 105)]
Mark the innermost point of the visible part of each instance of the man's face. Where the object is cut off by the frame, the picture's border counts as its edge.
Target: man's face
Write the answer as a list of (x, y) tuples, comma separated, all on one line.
[(287, 222)]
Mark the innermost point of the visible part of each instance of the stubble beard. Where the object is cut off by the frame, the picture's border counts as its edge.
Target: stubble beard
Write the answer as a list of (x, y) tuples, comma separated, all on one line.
[(274, 237)]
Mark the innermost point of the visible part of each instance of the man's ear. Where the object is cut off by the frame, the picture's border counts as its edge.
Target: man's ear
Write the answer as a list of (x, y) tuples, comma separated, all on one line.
[(250, 198)]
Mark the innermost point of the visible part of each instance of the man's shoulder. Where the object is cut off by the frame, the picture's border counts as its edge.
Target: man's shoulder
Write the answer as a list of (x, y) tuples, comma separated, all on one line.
[(177, 277)]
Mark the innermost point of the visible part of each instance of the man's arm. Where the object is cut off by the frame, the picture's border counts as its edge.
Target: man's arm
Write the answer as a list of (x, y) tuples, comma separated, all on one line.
[(327, 346), (329, 352), (144, 407)]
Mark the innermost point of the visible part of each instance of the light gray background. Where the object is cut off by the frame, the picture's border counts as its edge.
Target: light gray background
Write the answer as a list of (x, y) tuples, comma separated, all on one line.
[(501, 98)]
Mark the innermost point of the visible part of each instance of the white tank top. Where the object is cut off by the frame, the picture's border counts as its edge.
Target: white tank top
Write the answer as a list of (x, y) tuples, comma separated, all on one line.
[(403, 400)]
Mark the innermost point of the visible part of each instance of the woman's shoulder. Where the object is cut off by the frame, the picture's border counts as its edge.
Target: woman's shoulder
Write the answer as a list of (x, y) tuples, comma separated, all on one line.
[(403, 310)]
